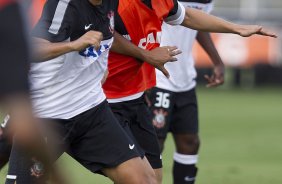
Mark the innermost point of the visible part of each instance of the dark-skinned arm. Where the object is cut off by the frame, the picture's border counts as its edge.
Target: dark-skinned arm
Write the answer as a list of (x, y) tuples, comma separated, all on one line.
[(217, 78), (156, 57)]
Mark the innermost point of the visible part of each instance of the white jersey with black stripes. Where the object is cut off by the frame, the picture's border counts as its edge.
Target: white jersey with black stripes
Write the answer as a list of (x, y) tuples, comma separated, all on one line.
[(70, 84)]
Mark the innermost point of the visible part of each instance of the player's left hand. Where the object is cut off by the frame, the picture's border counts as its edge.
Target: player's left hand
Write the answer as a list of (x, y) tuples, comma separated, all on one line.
[(159, 56), (249, 30), (217, 78)]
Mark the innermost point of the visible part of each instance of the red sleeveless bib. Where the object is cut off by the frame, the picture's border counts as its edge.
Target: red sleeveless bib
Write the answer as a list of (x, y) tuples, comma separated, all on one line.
[(127, 76)]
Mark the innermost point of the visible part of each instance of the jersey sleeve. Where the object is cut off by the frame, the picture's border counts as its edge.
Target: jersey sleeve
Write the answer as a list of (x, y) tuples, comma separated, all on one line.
[(14, 54), (208, 9), (56, 21), (176, 15)]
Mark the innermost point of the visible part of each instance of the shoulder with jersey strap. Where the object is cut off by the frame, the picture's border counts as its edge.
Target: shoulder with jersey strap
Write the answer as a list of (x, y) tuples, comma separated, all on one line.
[(123, 4), (162, 8)]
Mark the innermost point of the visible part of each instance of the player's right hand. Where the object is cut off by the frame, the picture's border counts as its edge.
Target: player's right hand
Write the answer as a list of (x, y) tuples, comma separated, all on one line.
[(249, 30), (159, 56), (217, 78), (91, 38)]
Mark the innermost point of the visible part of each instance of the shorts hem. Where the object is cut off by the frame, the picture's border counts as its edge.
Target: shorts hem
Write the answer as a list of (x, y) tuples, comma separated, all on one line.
[(185, 132), (98, 170)]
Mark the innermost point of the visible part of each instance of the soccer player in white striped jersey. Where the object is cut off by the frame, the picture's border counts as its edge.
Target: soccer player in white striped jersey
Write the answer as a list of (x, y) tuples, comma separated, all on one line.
[(173, 100), (73, 40)]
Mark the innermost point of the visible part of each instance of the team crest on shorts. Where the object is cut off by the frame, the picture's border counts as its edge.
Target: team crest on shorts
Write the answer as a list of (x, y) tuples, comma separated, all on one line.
[(111, 16), (160, 117), (37, 169)]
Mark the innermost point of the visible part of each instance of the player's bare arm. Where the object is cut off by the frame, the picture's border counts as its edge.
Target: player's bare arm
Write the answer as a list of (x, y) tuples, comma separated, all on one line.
[(47, 50), (156, 57), (217, 78), (198, 20)]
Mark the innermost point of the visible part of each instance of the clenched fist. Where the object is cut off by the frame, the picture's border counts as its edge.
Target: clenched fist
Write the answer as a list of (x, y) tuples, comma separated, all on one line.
[(91, 38)]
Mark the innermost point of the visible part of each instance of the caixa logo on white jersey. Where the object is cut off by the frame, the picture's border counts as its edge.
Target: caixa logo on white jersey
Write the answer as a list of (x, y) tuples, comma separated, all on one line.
[(90, 52), (151, 38)]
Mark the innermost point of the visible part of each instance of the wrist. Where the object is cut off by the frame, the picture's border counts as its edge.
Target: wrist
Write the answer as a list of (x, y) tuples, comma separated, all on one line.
[(219, 67), (144, 54), (237, 29), (71, 46)]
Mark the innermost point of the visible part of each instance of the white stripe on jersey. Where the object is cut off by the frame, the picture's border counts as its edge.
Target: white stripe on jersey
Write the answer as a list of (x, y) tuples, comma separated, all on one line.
[(59, 16)]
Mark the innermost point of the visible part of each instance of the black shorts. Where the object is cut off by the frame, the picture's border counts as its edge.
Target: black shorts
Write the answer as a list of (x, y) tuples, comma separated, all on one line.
[(175, 112), (5, 150), (136, 115), (94, 138)]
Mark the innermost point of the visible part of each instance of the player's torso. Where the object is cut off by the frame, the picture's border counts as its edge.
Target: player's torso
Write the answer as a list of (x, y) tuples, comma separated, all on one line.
[(138, 22), (182, 72), (70, 84)]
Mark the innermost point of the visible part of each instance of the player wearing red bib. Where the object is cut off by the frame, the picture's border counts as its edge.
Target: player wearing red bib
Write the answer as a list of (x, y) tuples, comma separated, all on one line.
[(140, 22)]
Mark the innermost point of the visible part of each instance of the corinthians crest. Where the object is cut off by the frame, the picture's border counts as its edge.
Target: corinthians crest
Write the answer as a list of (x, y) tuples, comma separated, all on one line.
[(160, 118)]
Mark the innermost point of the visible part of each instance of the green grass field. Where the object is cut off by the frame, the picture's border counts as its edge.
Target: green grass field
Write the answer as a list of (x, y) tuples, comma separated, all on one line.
[(241, 132)]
